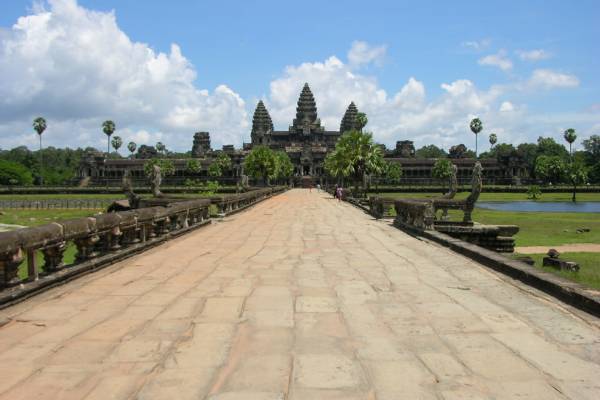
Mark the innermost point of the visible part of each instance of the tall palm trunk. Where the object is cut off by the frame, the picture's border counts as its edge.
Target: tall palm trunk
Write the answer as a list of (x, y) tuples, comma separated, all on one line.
[(41, 163)]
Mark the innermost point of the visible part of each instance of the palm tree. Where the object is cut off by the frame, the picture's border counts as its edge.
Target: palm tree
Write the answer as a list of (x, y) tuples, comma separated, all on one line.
[(39, 125), (570, 137), (361, 120), (131, 146), (108, 127), (493, 140), (116, 142), (476, 127), (160, 147), (360, 155)]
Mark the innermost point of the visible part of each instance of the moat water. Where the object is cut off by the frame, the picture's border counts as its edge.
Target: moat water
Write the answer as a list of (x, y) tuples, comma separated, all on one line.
[(550, 206)]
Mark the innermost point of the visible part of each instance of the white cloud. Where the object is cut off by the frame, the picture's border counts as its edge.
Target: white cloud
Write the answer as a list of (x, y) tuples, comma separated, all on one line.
[(533, 55), (362, 53), (477, 45), (499, 60), (405, 114), (408, 113), (507, 106), (548, 79), (77, 68)]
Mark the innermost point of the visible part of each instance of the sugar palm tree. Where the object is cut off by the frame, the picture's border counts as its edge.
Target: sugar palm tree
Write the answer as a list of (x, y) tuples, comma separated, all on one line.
[(476, 127), (39, 125), (361, 156), (116, 142), (361, 120), (493, 140), (131, 146), (570, 136), (108, 127), (160, 147)]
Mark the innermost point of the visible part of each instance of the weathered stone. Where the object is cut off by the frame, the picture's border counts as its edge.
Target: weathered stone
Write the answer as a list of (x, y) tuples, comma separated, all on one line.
[(559, 264)]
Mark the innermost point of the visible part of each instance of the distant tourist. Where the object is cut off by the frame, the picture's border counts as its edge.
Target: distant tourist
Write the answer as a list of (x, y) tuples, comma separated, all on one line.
[(339, 193), (319, 187)]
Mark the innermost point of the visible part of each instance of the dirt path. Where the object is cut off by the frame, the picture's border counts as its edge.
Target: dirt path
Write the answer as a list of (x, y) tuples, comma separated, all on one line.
[(298, 298)]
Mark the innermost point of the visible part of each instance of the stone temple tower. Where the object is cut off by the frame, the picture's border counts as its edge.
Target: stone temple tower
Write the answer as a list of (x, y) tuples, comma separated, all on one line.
[(349, 120), (306, 120), (262, 125)]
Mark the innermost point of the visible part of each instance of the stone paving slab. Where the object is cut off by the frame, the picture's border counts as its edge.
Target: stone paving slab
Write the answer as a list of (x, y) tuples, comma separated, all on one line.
[(300, 297)]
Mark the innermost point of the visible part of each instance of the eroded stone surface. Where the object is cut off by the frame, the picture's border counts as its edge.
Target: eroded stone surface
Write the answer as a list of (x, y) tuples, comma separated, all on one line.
[(300, 297)]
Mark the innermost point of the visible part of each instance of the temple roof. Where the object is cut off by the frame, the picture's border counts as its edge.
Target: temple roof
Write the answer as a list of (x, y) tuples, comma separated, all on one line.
[(261, 121), (349, 119), (306, 111)]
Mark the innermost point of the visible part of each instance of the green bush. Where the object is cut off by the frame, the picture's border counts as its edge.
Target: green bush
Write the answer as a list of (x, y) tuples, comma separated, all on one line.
[(14, 173), (533, 192)]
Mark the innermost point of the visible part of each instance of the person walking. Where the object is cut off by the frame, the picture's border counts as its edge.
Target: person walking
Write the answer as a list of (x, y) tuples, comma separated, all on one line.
[(339, 192)]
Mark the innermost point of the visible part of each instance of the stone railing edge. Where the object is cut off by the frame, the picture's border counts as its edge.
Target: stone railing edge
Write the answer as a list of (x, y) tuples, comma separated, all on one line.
[(103, 240), (569, 292)]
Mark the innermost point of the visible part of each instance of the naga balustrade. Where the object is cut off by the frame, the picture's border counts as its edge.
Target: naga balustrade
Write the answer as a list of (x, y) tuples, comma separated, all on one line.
[(92, 237), (231, 203), (380, 207)]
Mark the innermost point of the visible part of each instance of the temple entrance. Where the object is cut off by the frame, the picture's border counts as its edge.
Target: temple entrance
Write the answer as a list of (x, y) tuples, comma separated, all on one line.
[(306, 170)]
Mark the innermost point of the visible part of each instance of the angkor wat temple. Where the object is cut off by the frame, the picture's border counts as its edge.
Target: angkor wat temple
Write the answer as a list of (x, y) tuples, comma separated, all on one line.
[(306, 141)]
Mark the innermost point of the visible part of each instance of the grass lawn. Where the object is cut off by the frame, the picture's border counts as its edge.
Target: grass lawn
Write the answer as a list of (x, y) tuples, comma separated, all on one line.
[(501, 196), (104, 196), (536, 228), (40, 217), (544, 228), (589, 264)]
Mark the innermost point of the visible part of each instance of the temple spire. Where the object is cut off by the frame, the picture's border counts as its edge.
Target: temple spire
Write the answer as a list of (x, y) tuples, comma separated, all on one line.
[(349, 120), (306, 112), (261, 121)]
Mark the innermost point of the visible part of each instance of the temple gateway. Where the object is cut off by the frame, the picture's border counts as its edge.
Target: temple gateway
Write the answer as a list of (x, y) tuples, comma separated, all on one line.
[(306, 141)]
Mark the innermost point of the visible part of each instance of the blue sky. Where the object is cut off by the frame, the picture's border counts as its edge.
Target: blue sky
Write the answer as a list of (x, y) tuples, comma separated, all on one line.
[(535, 60)]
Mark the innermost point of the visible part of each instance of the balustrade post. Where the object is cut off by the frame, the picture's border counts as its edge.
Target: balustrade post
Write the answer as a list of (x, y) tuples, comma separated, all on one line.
[(9, 267), (32, 265), (85, 247), (53, 257)]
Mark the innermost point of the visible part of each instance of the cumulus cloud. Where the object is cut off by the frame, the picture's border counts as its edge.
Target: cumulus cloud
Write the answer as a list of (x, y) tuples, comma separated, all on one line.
[(409, 113), (533, 55), (499, 60), (406, 114), (362, 53), (507, 106), (477, 45), (548, 79), (76, 67)]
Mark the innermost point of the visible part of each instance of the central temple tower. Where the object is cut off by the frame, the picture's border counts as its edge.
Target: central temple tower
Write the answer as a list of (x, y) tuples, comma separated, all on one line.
[(306, 141)]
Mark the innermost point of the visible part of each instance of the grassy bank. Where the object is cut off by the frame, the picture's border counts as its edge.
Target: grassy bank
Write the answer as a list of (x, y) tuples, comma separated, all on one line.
[(500, 196), (589, 264), (40, 217), (543, 228)]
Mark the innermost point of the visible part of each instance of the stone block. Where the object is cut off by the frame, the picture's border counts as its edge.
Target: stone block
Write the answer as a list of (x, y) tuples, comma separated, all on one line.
[(559, 264)]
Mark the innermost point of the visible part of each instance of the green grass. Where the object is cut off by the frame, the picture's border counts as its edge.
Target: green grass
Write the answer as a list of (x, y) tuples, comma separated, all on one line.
[(543, 228), (40, 217), (589, 268), (99, 196), (500, 196), (536, 228)]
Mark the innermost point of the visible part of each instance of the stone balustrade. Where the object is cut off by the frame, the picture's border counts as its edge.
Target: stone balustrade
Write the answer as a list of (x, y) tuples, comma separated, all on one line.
[(228, 204), (44, 246), (102, 239), (416, 213), (381, 207)]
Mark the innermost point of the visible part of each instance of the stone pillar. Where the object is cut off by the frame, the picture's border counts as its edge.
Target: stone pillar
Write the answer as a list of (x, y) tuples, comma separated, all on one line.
[(9, 267), (53, 257)]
